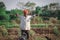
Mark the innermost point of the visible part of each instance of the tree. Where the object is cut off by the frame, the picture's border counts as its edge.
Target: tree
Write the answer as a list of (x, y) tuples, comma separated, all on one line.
[(15, 12), (2, 5), (38, 10), (3, 15), (21, 5), (28, 5), (58, 14), (53, 4), (46, 14)]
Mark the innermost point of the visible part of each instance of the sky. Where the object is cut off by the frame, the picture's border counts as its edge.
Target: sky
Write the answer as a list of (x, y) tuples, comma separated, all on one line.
[(12, 4)]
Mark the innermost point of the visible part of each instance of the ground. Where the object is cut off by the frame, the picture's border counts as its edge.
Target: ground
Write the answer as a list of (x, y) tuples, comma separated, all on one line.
[(13, 34)]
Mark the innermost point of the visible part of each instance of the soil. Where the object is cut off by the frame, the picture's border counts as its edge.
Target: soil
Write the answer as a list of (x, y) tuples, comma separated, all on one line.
[(42, 32)]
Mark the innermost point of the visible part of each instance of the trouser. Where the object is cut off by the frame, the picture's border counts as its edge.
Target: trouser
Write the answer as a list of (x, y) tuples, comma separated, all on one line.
[(25, 31)]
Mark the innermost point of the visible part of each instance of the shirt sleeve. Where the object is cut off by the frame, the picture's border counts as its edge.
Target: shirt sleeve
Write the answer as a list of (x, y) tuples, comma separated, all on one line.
[(31, 16)]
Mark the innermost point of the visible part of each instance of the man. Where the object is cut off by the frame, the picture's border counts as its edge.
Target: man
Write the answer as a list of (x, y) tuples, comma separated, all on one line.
[(25, 23)]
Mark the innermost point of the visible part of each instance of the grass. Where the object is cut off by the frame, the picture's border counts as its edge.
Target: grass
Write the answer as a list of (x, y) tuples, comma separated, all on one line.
[(9, 24), (15, 25), (35, 37), (3, 31), (39, 25), (39, 38), (56, 31), (32, 33)]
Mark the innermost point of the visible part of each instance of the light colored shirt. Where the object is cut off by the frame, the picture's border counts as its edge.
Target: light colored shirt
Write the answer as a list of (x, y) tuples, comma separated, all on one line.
[(25, 22)]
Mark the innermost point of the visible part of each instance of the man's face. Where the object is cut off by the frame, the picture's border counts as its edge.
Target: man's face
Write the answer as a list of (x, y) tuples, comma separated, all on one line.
[(25, 14)]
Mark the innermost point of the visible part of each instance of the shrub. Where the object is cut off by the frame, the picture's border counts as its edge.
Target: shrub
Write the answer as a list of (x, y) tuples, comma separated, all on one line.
[(4, 16), (56, 31), (32, 33), (3, 30), (13, 17), (19, 32)]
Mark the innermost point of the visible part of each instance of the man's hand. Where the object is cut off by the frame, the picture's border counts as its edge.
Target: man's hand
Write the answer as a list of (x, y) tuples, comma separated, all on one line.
[(34, 15)]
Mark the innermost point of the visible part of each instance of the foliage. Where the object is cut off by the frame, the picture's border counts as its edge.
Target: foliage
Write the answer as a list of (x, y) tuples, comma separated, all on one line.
[(9, 24), (28, 4), (3, 30), (39, 38), (14, 12), (58, 12), (56, 31), (35, 37), (38, 10), (45, 18), (8, 12), (38, 25), (2, 5), (3, 15), (32, 33), (46, 13)]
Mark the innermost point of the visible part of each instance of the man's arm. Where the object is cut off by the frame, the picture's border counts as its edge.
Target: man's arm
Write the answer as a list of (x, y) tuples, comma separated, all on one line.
[(32, 16)]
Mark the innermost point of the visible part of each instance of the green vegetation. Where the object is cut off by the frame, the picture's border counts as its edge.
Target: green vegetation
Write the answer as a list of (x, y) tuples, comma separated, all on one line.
[(8, 19), (39, 25), (9, 24), (35, 37), (39, 38), (7, 16), (32, 33), (56, 31), (3, 31)]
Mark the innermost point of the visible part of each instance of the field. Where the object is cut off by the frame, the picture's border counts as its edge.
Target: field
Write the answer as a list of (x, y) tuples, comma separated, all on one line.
[(39, 31), (44, 26)]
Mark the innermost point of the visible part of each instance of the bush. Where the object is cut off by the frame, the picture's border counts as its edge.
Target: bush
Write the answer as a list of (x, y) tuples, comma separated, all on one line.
[(13, 17), (3, 30), (4, 16), (32, 33), (56, 31)]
